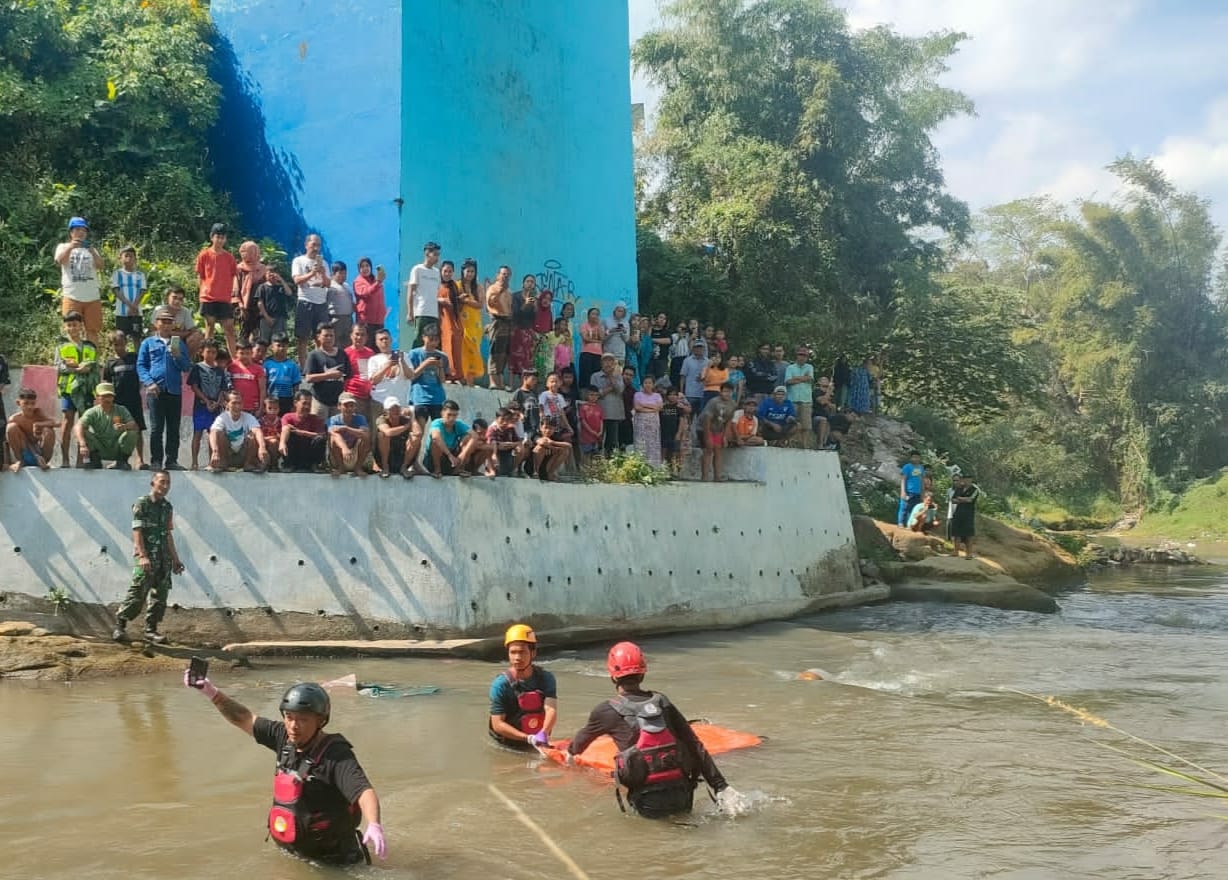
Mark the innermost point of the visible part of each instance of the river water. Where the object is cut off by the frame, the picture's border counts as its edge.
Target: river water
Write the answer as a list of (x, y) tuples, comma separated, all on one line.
[(914, 762)]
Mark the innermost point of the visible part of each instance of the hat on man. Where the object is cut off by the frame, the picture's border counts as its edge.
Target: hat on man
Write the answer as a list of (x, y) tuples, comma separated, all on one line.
[(390, 401), (217, 229), (127, 249), (431, 246), (346, 397), (78, 223), (165, 312), (103, 389), (780, 389)]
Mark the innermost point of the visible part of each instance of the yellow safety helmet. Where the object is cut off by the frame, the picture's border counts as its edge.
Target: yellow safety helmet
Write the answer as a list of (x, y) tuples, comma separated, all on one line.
[(519, 632)]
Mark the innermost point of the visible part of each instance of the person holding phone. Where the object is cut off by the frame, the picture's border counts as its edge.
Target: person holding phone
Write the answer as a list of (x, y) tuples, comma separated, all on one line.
[(321, 793), (80, 263)]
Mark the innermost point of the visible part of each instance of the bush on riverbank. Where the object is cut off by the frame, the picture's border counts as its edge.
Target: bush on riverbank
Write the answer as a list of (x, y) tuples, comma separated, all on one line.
[(1196, 513)]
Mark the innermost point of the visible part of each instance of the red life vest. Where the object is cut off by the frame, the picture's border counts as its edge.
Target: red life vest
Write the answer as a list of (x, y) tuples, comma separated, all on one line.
[(532, 703), (655, 760), (308, 814)]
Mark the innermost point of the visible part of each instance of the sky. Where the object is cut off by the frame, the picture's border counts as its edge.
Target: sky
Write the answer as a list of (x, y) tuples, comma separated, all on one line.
[(1062, 87)]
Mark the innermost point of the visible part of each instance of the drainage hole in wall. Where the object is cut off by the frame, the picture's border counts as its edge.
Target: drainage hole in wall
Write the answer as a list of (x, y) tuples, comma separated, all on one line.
[(507, 539), (473, 605), (353, 560), (509, 595), (102, 549), (425, 563), (576, 529), (650, 572), (268, 610), (213, 557), (599, 571), (569, 581), (473, 556), (528, 531), (319, 612), (375, 628), (16, 549), (716, 530), (300, 562), (549, 578)]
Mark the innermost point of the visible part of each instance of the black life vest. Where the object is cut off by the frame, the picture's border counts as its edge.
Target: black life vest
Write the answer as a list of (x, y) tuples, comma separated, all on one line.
[(532, 704), (655, 761), (308, 814)]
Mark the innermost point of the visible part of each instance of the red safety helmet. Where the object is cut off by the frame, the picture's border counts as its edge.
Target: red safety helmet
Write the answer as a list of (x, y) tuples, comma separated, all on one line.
[(625, 659)]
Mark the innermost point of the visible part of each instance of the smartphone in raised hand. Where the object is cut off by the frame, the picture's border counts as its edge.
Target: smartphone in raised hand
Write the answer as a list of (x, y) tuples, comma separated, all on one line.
[(198, 671)]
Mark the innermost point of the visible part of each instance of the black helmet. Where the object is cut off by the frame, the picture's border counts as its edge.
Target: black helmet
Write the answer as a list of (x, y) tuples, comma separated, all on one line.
[(306, 697)]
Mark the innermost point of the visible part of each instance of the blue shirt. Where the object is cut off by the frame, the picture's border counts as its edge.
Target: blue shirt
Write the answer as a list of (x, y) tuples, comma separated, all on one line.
[(503, 700), (692, 376), (281, 377), (356, 422), (451, 437), (155, 365), (912, 474), (427, 389), (776, 413)]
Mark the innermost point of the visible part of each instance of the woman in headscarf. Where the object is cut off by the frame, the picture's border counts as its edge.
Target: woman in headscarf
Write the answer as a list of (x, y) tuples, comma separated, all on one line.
[(250, 276), (617, 329), (471, 366)]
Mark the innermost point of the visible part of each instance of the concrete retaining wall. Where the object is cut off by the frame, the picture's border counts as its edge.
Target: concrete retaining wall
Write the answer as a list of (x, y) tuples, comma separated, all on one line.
[(367, 557)]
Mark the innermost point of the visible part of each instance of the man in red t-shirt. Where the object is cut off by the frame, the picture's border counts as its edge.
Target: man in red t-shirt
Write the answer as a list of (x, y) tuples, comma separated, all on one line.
[(304, 437), (357, 383), (248, 378), (217, 271)]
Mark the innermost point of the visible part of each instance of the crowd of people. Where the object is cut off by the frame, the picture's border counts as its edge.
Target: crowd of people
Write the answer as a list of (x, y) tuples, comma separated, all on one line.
[(343, 399)]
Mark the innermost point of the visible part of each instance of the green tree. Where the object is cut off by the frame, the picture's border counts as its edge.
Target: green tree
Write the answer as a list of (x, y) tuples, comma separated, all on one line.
[(104, 109), (800, 152)]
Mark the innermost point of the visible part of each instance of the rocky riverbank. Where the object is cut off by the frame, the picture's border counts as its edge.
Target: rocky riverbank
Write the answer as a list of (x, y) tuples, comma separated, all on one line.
[(44, 647), (1165, 554), (1014, 570)]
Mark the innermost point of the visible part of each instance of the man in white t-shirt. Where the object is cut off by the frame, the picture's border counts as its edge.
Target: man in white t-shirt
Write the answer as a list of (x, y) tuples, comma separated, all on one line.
[(424, 283), (80, 264), (310, 274), (388, 372), (235, 440)]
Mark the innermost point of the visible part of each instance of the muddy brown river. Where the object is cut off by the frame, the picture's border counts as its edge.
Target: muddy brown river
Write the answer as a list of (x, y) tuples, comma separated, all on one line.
[(915, 762)]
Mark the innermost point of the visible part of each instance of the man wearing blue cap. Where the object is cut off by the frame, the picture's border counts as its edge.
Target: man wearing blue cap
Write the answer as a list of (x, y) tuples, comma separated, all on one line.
[(80, 264)]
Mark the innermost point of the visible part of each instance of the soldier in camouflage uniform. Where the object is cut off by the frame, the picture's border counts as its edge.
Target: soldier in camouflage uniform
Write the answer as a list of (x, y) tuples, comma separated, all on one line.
[(156, 560)]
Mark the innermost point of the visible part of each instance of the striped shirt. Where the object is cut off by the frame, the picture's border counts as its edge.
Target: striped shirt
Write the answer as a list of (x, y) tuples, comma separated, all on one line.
[(132, 285)]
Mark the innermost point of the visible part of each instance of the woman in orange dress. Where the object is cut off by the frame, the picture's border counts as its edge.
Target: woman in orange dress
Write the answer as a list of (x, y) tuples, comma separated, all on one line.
[(471, 365), (451, 332)]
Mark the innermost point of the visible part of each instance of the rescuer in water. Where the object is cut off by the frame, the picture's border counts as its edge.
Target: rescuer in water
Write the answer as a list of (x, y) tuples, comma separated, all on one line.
[(524, 697), (320, 791), (660, 759)]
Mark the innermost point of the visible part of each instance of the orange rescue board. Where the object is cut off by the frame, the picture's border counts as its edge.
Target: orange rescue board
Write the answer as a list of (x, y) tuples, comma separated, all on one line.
[(600, 754)]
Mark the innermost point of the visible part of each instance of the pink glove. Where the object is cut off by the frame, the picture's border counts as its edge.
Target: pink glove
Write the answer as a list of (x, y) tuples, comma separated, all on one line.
[(203, 685), (374, 835), (539, 739)]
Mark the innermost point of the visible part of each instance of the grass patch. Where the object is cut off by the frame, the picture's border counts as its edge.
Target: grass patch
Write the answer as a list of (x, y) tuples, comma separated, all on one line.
[(1198, 512), (1066, 514)]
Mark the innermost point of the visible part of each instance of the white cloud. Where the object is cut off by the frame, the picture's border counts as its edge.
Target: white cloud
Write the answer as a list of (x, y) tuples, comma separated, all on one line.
[(1199, 161), (1015, 45)]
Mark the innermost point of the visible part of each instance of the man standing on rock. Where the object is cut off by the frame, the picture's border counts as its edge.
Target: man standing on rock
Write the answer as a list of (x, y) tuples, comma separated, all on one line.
[(156, 560), (963, 520)]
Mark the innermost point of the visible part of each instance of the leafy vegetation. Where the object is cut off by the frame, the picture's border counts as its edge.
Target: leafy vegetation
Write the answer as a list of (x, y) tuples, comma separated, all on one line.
[(104, 108), (626, 468)]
